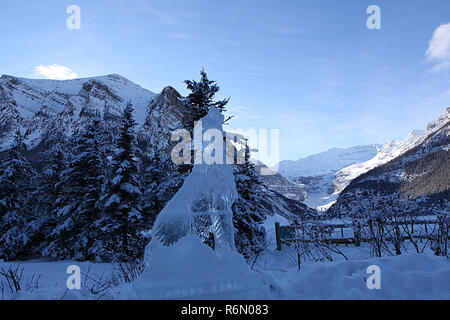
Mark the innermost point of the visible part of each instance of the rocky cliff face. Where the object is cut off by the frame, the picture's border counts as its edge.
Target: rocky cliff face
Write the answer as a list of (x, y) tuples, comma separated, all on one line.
[(166, 113), (281, 185)]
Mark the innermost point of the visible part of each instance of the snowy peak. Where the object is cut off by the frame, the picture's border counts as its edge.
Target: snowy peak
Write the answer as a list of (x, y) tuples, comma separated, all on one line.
[(104, 94), (390, 151), (313, 176), (327, 162), (439, 122), (41, 108), (168, 102), (329, 173), (166, 112)]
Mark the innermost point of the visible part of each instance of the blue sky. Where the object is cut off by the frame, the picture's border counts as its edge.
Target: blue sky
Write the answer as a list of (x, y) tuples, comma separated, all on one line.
[(310, 68)]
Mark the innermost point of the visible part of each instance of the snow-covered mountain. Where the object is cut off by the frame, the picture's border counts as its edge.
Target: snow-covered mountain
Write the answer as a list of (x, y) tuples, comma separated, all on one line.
[(389, 151), (104, 94), (418, 167), (324, 183), (327, 162), (317, 172), (45, 110)]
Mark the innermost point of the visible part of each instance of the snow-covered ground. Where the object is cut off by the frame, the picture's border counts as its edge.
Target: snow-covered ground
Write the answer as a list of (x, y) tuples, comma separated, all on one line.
[(408, 276), (52, 284)]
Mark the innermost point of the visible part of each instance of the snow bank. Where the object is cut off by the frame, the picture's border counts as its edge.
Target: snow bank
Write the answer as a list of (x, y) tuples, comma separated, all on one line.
[(189, 269), (409, 276)]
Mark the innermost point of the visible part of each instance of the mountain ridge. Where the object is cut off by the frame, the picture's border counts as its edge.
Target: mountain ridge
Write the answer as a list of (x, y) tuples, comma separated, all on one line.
[(38, 107), (419, 176)]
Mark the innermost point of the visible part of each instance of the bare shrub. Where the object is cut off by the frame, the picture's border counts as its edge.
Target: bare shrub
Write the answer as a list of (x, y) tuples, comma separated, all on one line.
[(100, 284), (440, 245), (12, 278), (259, 252), (129, 272), (376, 233)]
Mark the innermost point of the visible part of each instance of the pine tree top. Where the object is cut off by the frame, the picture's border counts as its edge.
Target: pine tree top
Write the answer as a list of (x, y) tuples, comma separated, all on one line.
[(202, 95)]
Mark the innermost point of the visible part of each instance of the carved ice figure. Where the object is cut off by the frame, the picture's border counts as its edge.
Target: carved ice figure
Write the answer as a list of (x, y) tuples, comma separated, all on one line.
[(202, 206), (179, 263)]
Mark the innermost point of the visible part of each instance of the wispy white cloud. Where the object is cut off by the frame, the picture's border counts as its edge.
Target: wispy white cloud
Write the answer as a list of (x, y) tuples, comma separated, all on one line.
[(55, 72), (438, 51)]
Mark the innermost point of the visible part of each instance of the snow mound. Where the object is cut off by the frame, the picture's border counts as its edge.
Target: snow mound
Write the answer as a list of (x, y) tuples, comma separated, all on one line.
[(409, 276), (189, 269)]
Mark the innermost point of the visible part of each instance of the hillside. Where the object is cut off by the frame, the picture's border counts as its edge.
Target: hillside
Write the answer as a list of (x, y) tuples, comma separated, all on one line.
[(418, 178)]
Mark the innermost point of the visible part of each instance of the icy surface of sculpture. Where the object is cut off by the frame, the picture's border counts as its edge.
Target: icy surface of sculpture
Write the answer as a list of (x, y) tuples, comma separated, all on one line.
[(202, 207), (192, 252)]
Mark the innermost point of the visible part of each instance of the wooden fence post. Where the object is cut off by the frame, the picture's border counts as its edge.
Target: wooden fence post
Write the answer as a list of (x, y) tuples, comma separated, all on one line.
[(277, 235)]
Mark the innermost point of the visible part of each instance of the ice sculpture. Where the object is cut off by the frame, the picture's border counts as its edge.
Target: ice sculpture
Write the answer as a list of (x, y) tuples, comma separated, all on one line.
[(179, 263)]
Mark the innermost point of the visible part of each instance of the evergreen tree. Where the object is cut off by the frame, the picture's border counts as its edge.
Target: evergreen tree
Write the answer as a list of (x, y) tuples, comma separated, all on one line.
[(123, 220), (152, 202), (201, 97), (16, 173), (79, 208), (48, 192), (199, 101), (247, 214), (174, 176)]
